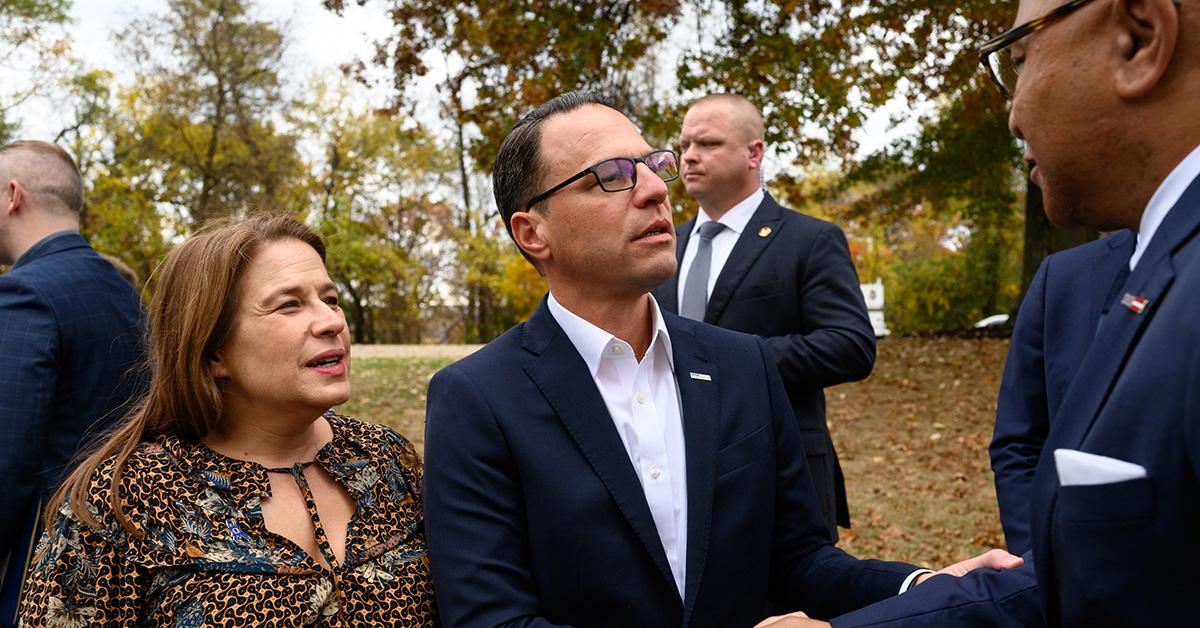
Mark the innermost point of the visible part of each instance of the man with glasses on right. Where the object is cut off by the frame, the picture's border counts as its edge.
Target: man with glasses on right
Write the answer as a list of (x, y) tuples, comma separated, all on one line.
[(1105, 96), (1106, 102)]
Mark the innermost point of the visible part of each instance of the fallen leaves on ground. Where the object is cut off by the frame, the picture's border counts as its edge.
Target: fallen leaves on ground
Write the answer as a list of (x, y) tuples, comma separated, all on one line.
[(912, 440)]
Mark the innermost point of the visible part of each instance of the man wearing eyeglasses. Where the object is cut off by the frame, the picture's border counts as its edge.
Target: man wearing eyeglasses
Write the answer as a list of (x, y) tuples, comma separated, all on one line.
[(1104, 95), (748, 264), (606, 463)]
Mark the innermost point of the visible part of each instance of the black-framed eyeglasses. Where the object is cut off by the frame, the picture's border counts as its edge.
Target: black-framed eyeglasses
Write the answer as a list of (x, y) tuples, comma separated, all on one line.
[(996, 54), (620, 173)]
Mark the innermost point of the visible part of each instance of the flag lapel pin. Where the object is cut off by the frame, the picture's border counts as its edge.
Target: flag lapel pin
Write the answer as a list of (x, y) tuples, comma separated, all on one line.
[(1136, 304), (704, 377)]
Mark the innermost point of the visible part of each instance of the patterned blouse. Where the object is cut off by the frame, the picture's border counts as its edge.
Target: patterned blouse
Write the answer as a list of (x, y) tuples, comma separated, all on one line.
[(207, 558)]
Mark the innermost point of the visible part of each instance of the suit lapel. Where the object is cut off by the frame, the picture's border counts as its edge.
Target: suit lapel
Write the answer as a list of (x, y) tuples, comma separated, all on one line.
[(1121, 326), (563, 378), (745, 252), (700, 412), (668, 292), (1115, 339), (1109, 271)]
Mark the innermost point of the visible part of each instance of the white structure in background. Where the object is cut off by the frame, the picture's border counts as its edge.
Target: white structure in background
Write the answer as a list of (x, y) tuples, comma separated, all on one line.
[(995, 320), (873, 295)]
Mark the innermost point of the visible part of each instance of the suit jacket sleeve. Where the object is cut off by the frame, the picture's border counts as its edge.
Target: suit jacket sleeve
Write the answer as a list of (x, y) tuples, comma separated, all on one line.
[(983, 598), (837, 344), (478, 548), (1022, 417), (808, 572), (29, 344)]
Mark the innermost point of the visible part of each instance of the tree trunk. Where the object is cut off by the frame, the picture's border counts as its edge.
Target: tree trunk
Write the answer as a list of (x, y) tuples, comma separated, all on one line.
[(473, 314)]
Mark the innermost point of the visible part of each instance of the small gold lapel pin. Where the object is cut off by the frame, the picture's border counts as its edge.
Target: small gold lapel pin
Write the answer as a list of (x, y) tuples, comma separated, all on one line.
[(764, 232)]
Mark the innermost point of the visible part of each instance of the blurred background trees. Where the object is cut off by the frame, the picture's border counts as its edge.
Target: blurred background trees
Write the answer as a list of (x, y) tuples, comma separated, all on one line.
[(205, 118)]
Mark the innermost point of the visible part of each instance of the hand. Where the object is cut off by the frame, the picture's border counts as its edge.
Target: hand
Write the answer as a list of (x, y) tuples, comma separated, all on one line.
[(991, 559), (791, 620)]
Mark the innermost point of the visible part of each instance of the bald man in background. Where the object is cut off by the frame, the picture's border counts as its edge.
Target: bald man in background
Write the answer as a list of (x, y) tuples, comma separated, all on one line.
[(748, 264), (70, 337)]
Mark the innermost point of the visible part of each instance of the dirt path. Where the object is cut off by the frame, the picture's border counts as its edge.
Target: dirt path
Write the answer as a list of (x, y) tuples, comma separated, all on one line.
[(413, 351)]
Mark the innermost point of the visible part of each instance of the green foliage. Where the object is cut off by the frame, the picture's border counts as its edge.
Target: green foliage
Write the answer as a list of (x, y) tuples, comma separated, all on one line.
[(793, 58), (963, 152), (204, 131), (373, 191), (511, 56), (122, 222), (203, 110), (481, 260), (521, 285), (931, 288), (33, 47), (929, 294), (120, 213), (53, 11)]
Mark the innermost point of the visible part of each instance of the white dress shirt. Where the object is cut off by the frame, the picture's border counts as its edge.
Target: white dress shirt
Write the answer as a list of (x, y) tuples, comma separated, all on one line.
[(643, 400), (1164, 199), (722, 244)]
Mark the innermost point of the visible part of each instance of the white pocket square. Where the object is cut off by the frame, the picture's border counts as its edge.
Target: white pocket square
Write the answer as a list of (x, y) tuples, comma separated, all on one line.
[(1077, 468)]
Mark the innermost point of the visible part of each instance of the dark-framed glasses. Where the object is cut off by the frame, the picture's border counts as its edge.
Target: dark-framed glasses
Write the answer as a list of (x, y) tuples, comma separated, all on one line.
[(996, 54), (620, 173)]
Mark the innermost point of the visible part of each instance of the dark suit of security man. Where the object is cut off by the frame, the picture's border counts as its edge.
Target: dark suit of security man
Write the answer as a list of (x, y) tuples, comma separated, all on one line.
[(748, 264)]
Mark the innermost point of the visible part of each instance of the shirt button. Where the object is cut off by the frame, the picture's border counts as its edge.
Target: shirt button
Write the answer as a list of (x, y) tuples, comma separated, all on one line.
[(640, 397), (655, 471), (616, 348)]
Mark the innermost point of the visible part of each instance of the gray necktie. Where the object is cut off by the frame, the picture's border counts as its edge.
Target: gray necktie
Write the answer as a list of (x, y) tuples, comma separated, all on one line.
[(695, 291)]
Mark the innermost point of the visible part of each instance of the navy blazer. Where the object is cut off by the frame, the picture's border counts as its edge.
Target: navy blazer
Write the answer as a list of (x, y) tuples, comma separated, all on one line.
[(790, 279), (1121, 554), (1053, 331), (535, 515), (1054, 328), (984, 598), (71, 336)]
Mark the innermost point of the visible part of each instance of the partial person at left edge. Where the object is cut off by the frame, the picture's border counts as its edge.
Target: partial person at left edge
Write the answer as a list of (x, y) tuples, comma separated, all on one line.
[(71, 338)]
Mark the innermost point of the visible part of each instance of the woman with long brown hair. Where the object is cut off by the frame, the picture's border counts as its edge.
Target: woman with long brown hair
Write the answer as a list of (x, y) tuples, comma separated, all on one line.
[(232, 495)]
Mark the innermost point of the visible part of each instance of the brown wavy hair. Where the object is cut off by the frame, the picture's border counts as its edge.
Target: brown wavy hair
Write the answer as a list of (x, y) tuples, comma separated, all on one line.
[(190, 315)]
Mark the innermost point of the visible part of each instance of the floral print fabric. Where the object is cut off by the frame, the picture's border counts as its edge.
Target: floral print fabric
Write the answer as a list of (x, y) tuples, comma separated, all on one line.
[(206, 558)]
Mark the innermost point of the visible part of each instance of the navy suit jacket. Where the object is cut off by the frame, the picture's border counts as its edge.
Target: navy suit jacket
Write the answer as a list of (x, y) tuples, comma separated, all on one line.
[(70, 335), (1054, 329), (1121, 554), (984, 598), (1069, 294), (535, 516), (790, 279)]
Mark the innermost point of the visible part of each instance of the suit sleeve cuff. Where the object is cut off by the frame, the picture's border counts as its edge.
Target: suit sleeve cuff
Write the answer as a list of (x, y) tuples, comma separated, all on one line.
[(912, 579)]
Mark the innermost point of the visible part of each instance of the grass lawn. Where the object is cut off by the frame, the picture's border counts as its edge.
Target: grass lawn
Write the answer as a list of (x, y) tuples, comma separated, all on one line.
[(912, 440)]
